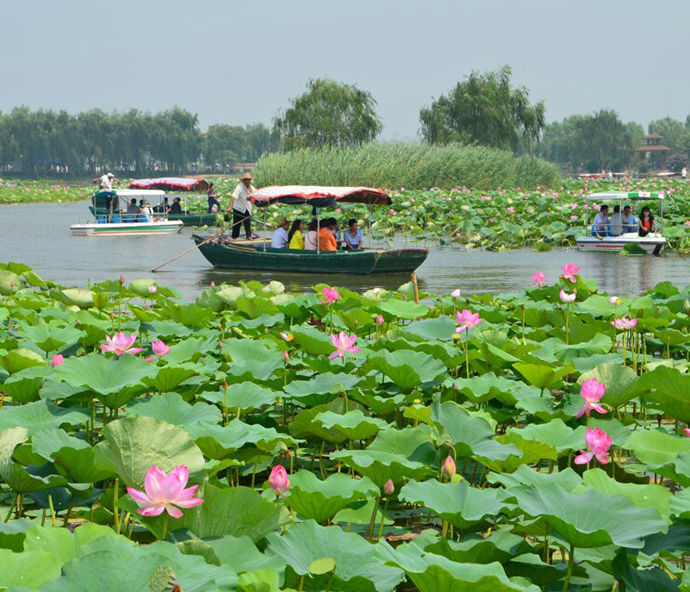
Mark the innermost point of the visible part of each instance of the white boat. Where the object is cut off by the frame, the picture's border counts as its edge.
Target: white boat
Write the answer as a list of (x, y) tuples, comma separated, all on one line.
[(119, 222), (603, 241)]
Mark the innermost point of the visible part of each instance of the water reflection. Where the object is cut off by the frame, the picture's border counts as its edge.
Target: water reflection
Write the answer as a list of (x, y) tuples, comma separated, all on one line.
[(38, 235)]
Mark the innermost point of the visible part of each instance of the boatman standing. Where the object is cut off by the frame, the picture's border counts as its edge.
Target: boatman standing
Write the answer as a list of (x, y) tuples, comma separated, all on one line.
[(107, 182), (241, 206)]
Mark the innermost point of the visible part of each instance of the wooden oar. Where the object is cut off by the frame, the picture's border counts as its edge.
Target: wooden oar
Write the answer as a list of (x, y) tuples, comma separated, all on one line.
[(209, 239)]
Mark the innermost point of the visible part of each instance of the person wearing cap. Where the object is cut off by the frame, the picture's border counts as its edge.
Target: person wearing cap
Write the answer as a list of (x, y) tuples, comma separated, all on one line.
[(241, 206), (107, 182)]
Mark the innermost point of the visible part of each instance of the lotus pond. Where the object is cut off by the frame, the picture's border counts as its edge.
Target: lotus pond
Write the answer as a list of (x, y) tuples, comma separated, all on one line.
[(261, 440)]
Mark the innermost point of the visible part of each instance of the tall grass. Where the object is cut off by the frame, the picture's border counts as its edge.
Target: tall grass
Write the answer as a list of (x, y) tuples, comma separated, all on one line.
[(403, 165)]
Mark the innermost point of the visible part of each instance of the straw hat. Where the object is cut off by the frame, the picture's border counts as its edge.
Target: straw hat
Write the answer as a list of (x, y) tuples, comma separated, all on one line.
[(246, 176)]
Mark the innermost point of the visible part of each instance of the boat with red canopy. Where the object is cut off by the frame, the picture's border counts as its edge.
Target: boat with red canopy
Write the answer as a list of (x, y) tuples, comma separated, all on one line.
[(222, 251), (171, 184)]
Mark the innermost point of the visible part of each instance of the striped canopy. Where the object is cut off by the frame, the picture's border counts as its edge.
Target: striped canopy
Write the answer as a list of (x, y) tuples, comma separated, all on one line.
[(319, 196), (625, 195), (170, 184)]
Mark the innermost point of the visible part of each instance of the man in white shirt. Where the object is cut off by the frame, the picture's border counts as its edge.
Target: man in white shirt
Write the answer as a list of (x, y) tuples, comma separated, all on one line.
[(629, 220), (107, 182), (684, 173), (241, 206), (616, 224), (601, 221)]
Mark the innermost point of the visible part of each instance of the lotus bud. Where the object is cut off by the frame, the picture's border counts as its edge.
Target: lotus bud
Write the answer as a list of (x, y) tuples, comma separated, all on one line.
[(213, 284), (388, 487), (286, 357), (220, 344), (122, 279), (278, 479), (448, 469), (455, 386), (379, 320), (687, 432), (57, 360), (455, 294)]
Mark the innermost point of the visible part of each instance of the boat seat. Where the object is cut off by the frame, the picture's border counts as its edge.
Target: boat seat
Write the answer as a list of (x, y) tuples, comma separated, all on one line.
[(100, 219)]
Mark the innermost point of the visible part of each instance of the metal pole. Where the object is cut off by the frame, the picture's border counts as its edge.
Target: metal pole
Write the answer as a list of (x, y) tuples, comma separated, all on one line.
[(318, 232), (369, 222), (265, 225)]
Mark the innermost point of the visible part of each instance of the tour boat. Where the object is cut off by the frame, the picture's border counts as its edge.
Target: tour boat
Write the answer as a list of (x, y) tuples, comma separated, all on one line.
[(119, 222), (653, 243), (221, 251)]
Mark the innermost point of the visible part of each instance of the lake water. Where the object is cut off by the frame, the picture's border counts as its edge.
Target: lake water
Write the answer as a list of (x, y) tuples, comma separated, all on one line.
[(38, 235)]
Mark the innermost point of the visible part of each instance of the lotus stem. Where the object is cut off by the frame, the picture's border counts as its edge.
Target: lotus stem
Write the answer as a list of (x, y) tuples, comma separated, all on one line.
[(372, 521), (116, 514), (12, 507), (53, 517), (164, 534), (383, 519), (571, 560)]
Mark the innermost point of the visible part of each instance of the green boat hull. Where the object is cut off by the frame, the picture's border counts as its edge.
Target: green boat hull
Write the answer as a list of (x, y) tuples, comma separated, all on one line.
[(241, 257)]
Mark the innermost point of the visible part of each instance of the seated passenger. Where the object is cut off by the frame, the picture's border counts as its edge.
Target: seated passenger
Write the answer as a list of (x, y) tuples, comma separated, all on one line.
[(133, 211), (176, 207), (630, 221), (601, 221), (280, 238), (646, 223), (616, 224), (147, 211), (353, 236), (295, 237), (327, 236), (311, 238)]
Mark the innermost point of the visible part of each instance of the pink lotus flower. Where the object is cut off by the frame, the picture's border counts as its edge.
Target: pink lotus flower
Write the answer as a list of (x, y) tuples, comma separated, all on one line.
[(58, 359), (539, 279), (343, 343), (278, 479), (152, 289), (569, 272), (565, 297), (598, 444), (624, 324), (331, 295), (165, 492), (338, 211), (591, 391), (380, 320), (389, 487), (615, 300), (467, 319), (448, 469), (511, 209), (160, 349), (120, 344), (687, 222), (687, 432), (455, 293)]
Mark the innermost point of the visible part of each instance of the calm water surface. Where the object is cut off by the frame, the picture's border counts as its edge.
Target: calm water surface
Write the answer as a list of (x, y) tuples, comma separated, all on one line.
[(39, 235)]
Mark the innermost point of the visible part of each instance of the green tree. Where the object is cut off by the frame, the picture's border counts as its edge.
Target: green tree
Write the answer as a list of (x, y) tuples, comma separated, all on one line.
[(484, 109), (329, 113), (672, 130), (225, 144)]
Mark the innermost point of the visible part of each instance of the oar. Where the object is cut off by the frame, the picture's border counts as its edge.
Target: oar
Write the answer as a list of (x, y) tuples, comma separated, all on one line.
[(209, 239)]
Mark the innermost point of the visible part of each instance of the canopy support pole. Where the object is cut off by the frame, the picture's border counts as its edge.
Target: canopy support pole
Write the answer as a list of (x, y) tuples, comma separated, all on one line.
[(369, 221), (265, 226), (318, 232)]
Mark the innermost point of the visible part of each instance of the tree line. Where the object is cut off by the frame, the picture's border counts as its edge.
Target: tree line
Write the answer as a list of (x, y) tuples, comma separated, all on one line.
[(483, 109)]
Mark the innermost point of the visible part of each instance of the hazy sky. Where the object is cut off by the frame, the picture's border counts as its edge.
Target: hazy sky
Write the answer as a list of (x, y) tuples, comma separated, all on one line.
[(239, 62)]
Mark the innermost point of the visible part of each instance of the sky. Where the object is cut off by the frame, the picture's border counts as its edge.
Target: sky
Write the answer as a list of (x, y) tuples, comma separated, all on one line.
[(241, 62)]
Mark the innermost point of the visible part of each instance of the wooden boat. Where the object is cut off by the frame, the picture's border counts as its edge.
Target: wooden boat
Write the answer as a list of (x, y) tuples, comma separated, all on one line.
[(252, 255), (195, 215), (116, 222), (653, 243)]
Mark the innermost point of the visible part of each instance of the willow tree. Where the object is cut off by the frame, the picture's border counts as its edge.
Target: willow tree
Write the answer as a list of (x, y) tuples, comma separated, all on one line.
[(484, 109), (329, 113)]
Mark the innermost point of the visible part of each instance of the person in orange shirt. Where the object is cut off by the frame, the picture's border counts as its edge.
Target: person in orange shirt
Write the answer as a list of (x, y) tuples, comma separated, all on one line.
[(327, 236)]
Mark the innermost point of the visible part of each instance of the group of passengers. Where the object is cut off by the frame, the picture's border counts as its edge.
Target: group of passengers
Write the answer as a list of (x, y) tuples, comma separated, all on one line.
[(143, 212), (320, 235), (623, 222)]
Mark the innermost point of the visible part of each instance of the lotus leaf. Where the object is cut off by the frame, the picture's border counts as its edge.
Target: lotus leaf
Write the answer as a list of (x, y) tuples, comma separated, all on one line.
[(245, 396), (668, 390), (353, 425), (76, 297), (40, 415), (217, 442), (251, 359), (19, 359), (403, 309), (321, 388), (407, 368)]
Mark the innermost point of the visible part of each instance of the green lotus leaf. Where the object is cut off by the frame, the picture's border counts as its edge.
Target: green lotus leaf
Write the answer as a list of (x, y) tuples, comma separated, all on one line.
[(353, 425), (20, 359), (554, 434), (251, 359), (217, 442), (172, 409), (543, 376), (40, 415), (132, 445), (27, 571), (668, 390), (321, 388), (431, 573), (264, 580), (656, 448), (9, 282), (394, 454), (241, 554), (25, 385), (643, 496), (619, 380), (458, 503), (141, 286), (52, 336), (170, 377), (501, 545), (483, 388), (441, 328), (244, 396), (321, 500), (407, 368), (229, 295), (554, 349), (532, 567), (166, 329), (403, 309), (76, 297), (356, 564), (12, 534), (649, 580), (591, 519), (105, 375), (236, 511)]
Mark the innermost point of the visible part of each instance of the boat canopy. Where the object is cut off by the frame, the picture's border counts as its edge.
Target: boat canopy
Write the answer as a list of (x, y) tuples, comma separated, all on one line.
[(143, 193), (170, 184), (319, 196), (625, 196)]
